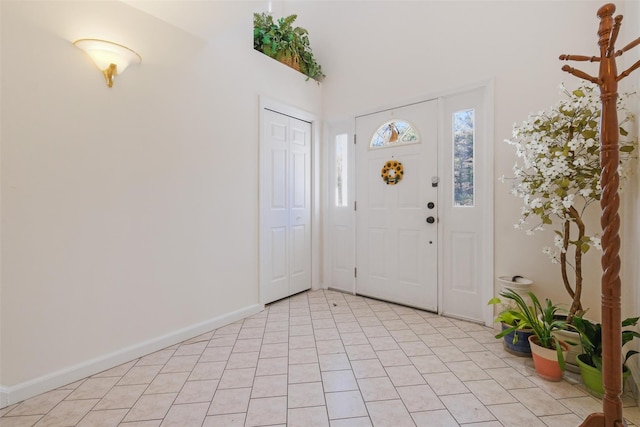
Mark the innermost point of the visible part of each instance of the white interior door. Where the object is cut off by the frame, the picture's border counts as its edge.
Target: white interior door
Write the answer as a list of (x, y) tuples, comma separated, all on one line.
[(397, 249), (285, 206)]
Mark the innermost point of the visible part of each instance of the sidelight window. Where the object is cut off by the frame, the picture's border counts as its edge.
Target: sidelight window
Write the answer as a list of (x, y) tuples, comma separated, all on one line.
[(341, 170), (463, 157)]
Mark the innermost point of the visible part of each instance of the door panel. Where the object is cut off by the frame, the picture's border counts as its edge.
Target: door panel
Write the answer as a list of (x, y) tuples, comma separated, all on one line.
[(278, 179), (467, 229), (339, 242), (396, 248), (279, 256), (285, 199), (300, 214), (462, 250)]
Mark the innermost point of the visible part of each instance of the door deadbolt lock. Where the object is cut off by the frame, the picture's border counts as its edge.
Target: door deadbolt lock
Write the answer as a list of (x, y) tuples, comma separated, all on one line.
[(431, 220), (431, 205)]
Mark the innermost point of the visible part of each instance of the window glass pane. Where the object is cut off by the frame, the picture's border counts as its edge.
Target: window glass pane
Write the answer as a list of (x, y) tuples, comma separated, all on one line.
[(341, 170), (463, 153), (394, 132)]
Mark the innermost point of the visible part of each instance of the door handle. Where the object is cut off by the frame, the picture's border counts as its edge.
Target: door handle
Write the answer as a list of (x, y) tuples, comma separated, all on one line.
[(431, 220)]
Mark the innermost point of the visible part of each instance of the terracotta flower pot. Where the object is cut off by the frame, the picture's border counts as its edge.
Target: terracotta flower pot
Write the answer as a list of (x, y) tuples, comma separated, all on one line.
[(545, 360)]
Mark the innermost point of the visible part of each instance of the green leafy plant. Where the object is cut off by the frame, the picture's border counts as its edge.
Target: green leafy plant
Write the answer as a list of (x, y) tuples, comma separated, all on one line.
[(591, 339), (514, 320), (557, 175), (542, 320), (282, 41)]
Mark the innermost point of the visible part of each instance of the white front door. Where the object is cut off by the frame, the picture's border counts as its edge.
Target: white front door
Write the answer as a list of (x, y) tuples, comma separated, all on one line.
[(285, 206), (397, 222)]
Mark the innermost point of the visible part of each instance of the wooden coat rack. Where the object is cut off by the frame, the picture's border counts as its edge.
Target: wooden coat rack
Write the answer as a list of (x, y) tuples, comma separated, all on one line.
[(607, 80)]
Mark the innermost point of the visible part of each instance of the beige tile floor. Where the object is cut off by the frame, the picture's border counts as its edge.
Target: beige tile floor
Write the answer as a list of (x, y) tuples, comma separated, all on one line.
[(322, 358)]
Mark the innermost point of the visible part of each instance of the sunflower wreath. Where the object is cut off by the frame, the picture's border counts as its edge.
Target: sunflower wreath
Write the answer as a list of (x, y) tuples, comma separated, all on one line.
[(392, 172)]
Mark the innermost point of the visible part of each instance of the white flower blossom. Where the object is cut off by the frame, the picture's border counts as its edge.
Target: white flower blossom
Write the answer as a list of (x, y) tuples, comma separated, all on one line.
[(553, 256), (567, 202), (536, 203), (557, 241), (585, 192)]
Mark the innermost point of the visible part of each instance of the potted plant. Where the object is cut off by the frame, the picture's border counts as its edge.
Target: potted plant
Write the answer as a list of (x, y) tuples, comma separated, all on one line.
[(548, 351), (590, 361), (284, 42), (514, 330), (558, 177)]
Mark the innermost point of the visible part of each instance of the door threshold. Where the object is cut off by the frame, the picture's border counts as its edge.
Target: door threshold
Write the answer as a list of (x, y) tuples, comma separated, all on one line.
[(397, 303), (287, 297)]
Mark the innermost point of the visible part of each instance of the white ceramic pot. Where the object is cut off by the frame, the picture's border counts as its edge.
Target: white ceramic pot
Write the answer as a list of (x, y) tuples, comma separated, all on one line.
[(518, 284)]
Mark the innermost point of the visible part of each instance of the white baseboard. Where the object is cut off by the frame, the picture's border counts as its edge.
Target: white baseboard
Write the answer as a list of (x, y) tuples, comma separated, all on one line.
[(19, 392), (4, 397)]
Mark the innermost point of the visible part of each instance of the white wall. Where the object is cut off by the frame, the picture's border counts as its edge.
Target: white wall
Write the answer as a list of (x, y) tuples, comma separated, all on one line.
[(385, 53), (128, 214), (631, 224), (630, 196)]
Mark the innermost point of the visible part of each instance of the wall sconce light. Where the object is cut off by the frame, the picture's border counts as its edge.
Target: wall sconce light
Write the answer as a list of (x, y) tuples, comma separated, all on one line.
[(111, 58)]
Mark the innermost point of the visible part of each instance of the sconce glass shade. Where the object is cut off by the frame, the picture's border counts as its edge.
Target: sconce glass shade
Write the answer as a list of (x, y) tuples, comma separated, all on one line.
[(111, 58)]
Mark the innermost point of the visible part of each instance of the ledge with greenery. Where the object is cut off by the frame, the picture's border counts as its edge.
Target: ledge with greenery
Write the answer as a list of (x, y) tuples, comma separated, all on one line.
[(285, 43)]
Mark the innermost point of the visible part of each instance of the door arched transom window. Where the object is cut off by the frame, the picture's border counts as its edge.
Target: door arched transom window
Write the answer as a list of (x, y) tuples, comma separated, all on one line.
[(394, 132)]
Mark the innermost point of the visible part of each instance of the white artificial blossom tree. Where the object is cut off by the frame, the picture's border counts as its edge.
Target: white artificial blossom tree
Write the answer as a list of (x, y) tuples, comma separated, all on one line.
[(557, 175)]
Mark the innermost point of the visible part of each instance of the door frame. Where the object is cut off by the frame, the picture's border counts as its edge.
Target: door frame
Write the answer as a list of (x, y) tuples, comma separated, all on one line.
[(271, 104), (487, 86)]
